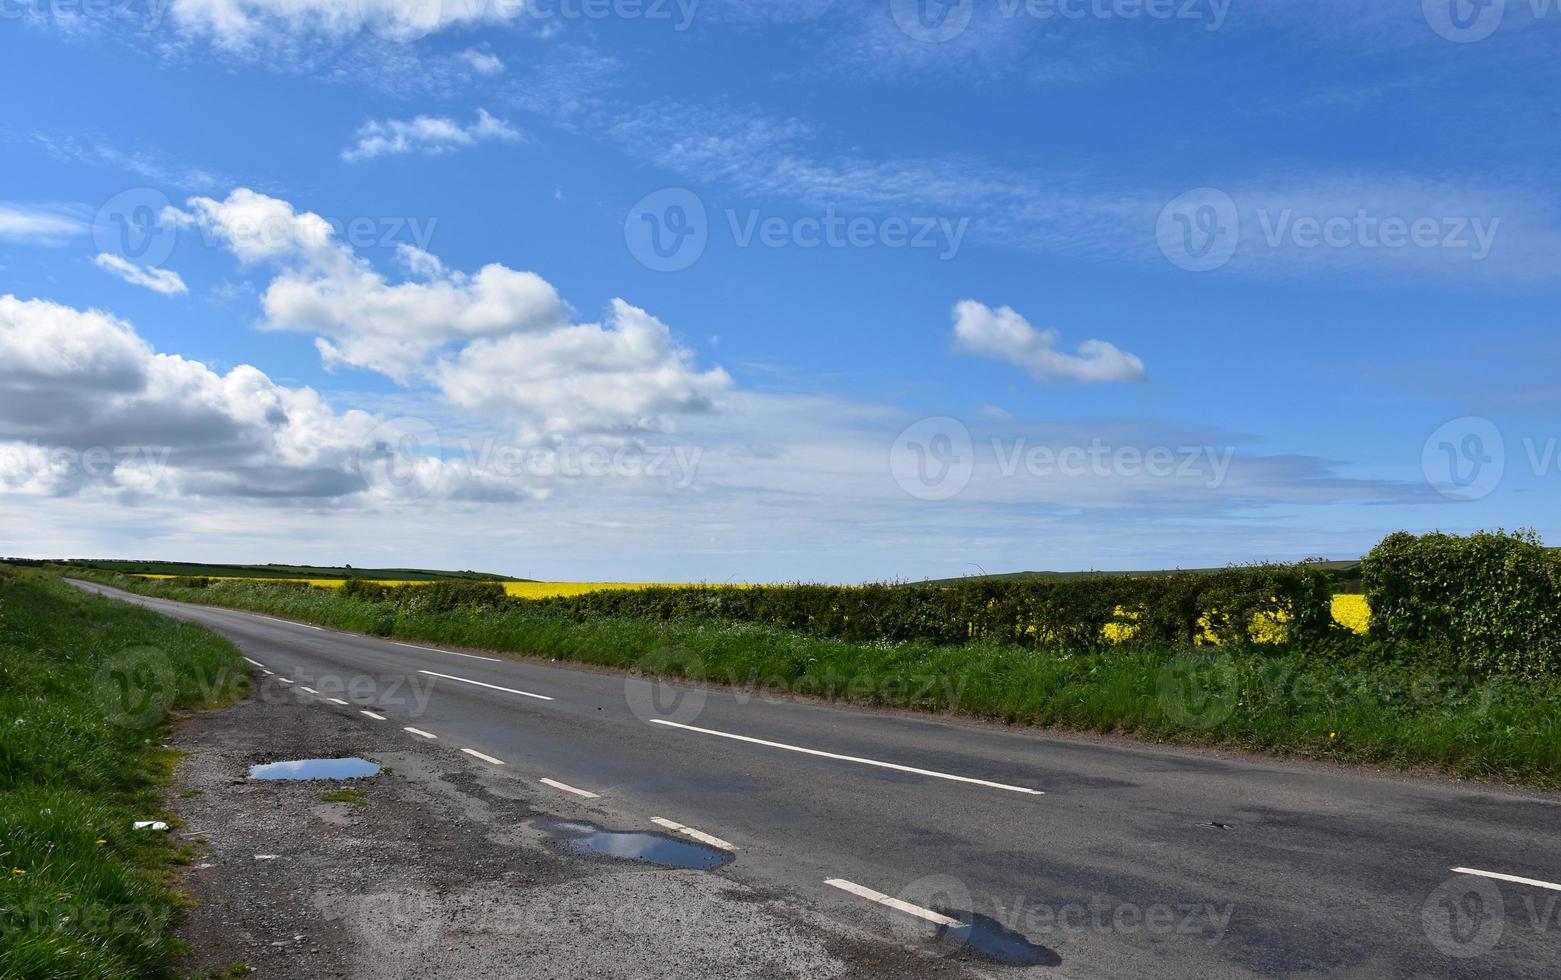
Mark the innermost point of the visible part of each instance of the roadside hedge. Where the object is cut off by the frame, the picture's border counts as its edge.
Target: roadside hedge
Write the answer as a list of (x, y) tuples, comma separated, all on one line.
[(1489, 601), (1083, 613)]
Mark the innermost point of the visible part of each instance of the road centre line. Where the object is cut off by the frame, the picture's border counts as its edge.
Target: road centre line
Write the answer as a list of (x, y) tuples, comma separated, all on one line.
[(371, 715), (472, 656), (570, 789), (1512, 878), (861, 891), (419, 731), (506, 690), (851, 758), (484, 758), (703, 838), (255, 662)]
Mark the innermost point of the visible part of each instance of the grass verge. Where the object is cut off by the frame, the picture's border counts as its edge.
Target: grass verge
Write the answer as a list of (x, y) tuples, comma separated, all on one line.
[(1353, 702), (85, 687)]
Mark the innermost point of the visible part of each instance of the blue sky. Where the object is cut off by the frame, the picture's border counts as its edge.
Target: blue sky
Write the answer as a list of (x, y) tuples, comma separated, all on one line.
[(392, 265)]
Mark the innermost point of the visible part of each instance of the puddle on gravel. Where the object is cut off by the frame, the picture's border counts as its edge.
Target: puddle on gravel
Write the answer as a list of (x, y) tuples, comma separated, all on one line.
[(352, 768), (991, 939), (658, 849)]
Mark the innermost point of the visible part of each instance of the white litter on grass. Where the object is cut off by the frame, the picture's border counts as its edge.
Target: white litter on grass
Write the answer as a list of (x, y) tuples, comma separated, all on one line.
[(148, 825)]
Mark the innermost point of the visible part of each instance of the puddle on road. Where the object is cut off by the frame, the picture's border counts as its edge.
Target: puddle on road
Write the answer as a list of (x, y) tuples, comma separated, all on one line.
[(352, 768), (658, 849), (989, 938)]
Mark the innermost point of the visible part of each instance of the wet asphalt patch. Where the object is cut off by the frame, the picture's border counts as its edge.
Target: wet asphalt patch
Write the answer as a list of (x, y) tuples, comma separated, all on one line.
[(589, 840)]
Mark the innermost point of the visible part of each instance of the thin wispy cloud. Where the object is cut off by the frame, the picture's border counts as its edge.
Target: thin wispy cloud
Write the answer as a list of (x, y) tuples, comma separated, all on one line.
[(164, 281), (427, 136), (38, 225)]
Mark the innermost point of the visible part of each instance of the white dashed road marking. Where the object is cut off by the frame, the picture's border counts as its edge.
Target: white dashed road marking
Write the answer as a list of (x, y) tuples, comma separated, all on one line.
[(336, 701), (703, 838), (1512, 878), (255, 662), (570, 789), (937, 918), (284, 680), (309, 690), (851, 758), (419, 731), (484, 758), (495, 687), (372, 715)]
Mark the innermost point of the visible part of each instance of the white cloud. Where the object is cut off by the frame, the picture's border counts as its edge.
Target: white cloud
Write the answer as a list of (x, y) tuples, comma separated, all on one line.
[(482, 62), (242, 23), (499, 340), (41, 226), (1004, 335), (164, 281), (428, 135)]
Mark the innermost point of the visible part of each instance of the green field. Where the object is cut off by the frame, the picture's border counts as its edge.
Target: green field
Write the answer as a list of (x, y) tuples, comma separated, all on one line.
[(85, 687), (198, 569)]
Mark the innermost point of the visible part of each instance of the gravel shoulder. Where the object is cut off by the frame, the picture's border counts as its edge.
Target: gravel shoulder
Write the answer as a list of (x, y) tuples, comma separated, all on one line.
[(440, 869)]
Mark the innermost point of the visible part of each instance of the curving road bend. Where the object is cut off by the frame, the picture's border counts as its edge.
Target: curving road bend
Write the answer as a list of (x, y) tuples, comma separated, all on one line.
[(1118, 859)]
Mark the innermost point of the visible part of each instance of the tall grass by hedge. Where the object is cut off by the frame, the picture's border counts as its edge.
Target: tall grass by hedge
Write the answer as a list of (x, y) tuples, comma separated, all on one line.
[(1489, 602), (85, 683)]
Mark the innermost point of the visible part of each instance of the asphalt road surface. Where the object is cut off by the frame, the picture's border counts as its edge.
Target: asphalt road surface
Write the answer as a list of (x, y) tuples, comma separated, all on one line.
[(1110, 860)]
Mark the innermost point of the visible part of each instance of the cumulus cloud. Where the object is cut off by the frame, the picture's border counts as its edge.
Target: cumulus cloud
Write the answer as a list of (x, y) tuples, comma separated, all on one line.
[(87, 405), (1004, 335), (37, 225), (482, 62), (499, 340), (240, 23), (428, 135), (164, 281)]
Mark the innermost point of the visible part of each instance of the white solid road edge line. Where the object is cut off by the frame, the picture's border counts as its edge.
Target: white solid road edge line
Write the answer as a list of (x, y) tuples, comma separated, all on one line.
[(570, 789), (506, 690), (419, 731), (470, 656), (1512, 878), (703, 838), (371, 715), (851, 758), (937, 918), (484, 758)]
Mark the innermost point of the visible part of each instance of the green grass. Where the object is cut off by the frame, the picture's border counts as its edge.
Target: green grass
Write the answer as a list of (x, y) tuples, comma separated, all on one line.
[(347, 794), (1355, 702), (85, 684)]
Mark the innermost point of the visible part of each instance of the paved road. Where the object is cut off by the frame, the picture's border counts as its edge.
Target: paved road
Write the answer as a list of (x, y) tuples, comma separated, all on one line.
[(1108, 856)]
